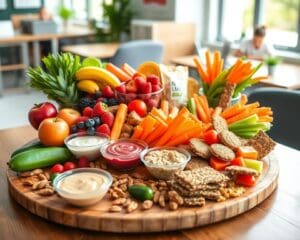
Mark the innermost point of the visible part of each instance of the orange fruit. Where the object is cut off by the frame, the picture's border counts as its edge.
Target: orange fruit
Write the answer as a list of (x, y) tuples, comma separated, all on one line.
[(149, 68), (53, 131), (70, 115)]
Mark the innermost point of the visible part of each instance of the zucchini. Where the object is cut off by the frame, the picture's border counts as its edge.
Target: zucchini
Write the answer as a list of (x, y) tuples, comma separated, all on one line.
[(141, 192), (31, 145), (39, 158)]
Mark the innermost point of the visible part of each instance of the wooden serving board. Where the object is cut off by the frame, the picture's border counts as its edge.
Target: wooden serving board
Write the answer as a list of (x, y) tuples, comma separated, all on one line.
[(97, 217)]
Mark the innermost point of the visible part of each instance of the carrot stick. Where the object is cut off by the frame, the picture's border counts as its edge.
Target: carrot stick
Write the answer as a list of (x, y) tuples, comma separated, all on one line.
[(265, 119), (231, 111), (242, 115), (156, 133), (244, 99), (252, 105), (208, 66), (200, 111), (155, 112), (148, 125), (119, 73), (237, 64), (119, 121), (200, 69), (174, 112), (220, 66), (165, 107), (192, 133), (205, 107), (138, 131), (128, 69), (215, 65)]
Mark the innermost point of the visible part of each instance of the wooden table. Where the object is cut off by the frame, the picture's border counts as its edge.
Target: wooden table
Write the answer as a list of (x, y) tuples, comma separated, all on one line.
[(97, 50), (278, 217), (286, 75)]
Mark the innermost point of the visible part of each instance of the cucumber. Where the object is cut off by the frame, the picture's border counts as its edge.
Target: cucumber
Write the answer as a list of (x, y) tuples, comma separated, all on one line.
[(141, 192), (39, 158), (31, 145), (191, 106)]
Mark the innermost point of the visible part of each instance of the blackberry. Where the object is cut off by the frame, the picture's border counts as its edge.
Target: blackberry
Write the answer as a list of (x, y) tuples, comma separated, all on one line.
[(112, 102), (97, 95), (97, 121), (89, 123), (90, 131), (85, 102), (73, 129)]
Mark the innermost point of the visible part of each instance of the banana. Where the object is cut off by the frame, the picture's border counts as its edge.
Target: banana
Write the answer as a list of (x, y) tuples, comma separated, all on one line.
[(98, 74), (88, 86)]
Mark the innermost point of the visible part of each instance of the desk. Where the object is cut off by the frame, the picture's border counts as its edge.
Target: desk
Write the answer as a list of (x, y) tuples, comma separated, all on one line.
[(97, 50), (286, 75), (276, 218)]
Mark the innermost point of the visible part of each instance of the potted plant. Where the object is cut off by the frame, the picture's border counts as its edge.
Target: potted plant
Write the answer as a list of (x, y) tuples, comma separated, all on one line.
[(66, 14), (271, 62)]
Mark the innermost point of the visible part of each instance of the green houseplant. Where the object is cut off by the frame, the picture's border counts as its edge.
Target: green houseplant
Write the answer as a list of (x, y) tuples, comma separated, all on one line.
[(272, 62), (65, 14)]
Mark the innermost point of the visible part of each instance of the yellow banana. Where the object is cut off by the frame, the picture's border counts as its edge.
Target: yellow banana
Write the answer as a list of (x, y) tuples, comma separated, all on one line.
[(98, 74), (88, 86)]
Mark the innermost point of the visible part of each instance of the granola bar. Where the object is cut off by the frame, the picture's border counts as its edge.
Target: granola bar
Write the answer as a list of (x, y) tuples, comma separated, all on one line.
[(225, 98)]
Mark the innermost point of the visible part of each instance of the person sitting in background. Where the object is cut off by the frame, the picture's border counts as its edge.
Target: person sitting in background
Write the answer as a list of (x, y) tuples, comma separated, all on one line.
[(255, 48), (44, 14)]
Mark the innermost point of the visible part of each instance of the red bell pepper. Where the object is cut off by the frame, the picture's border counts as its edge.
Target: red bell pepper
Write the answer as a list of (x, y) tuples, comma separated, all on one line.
[(245, 180), (238, 161), (218, 164)]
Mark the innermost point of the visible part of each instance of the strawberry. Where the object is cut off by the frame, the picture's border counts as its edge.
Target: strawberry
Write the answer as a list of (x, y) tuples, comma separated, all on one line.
[(121, 88), (87, 111), (153, 79), (104, 129), (81, 119), (99, 109), (108, 118), (139, 82), (107, 92), (137, 74), (152, 103), (131, 87), (155, 87), (147, 88)]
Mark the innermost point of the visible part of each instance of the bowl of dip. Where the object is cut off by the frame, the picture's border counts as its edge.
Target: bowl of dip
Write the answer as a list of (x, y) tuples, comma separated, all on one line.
[(83, 186), (123, 154), (83, 144)]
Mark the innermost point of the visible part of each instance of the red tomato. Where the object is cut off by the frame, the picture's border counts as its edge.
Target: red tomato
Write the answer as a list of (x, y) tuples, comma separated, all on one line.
[(69, 166), (57, 168), (245, 180), (218, 164), (238, 161), (83, 162), (211, 137), (138, 106)]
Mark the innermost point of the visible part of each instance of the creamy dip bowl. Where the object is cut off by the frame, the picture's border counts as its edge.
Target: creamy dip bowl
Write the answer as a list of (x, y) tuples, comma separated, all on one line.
[(84, 186), (83, 144)]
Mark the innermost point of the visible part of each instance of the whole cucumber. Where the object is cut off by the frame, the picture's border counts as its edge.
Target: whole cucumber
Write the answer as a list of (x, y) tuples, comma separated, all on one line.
[(39, 158), (32, 145)]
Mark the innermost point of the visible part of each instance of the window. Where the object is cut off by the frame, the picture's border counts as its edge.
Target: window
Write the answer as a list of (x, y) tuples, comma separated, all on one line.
[(95, 9), (282, 18)]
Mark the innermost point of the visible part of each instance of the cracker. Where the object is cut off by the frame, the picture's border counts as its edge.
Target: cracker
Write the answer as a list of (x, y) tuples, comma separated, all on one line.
[(195, 163), (189, 192), (237, 170), (200, 148), (222, 152), (198, 201), (208, 194), (225, 98), (219, 123), (230, 140), (262, 143)]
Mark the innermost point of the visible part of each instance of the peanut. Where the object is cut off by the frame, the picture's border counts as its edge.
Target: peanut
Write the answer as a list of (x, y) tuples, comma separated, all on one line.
[(36, 171), (40, 185), (147, 204), (119, 201), (46, 192), (156, 197), (132, 206), (173, 206), (115, 208)]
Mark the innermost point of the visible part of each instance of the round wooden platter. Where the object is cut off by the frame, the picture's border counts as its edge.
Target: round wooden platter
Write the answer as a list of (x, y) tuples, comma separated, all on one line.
[(156, 219)]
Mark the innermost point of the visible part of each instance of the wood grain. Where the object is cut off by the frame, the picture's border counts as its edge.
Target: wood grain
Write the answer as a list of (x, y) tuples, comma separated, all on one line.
[(156, 219)]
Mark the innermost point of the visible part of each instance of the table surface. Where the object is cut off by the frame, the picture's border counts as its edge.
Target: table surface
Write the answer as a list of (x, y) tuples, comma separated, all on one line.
[(71, 31), (278, 217), (286, 75), (97, 50)]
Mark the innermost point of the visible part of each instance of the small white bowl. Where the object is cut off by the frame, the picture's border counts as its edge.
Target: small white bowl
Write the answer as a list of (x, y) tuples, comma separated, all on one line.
[(83, 199)]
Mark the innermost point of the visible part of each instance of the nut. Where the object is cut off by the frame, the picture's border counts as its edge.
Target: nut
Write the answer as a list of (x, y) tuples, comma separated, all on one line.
[(47, 175), (147, 204), (46, 192), (132, 206), (103, 165), (123, 187), (175, 197), (40, 185), (36, 172), (125, 175), (28, 182), (173, 206), (137, 176), (115, 208), (25, 174), (119, 201), (41, 176), (92, 165), (156, 196), (128, 201), (162, 201)]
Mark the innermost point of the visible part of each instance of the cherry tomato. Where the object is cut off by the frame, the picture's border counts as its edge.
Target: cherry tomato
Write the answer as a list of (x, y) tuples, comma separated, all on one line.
[(83, 162), (57, 168), (138, 106), (245, 180), (69, 166), (218, 164), (238, 161), (211, 137)]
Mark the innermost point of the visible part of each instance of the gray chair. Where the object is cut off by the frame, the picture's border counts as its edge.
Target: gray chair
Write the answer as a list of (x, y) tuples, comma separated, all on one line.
[(286, 109), (136, 52)]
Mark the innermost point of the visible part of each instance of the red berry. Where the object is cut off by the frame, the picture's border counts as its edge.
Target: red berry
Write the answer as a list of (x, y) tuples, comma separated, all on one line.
[(147, 88), (131, 87), (108, 92), (99, 109), (137, 74), (153, 79), (100, 99), (57, 168), (87, 111), (81, 119), (83, 162), (108, 118), (152, 103), (81, 131), (121, 88), (140, 82), (69, 166), (155, 88), (104, 129)]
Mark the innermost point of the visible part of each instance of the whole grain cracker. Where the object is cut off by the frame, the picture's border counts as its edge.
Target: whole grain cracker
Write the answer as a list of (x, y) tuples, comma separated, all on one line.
[(222, 152), (237, 170), (230, 140), (200, 148)]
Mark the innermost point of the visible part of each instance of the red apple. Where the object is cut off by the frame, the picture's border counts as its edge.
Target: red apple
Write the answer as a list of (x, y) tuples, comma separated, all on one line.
[(40, 112)]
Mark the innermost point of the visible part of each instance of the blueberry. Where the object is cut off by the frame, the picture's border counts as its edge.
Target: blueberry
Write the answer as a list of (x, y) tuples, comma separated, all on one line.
[(73, 129), (104, 100), (90, 122), (97, 121), (113, 102), (90, 131), (80, 125), (97, 95)]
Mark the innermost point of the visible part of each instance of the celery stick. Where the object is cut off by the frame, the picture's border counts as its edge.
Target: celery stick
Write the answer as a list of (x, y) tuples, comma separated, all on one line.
[(254, 164), (256, 126), (246, 135), (249, 120)]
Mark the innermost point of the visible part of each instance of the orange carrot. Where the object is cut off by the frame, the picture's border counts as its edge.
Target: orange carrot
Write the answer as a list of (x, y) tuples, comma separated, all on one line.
[(235, 66), (128, 69), (138, 131), (192, 133), (231, 111), (242, 115), (215, 65), (265, 119), (119, 121), (252, 105), (119, 73), (220, 66), (200, 111), (204, 104), (174, 112), (157, 113), (200, 69), (263, 111), (156, 133), (243, 99), (148, 125), (208, 66), (165, 107)]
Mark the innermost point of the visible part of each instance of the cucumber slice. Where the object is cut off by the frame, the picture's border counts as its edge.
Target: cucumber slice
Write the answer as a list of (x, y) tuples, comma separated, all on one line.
[(254, 164)]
